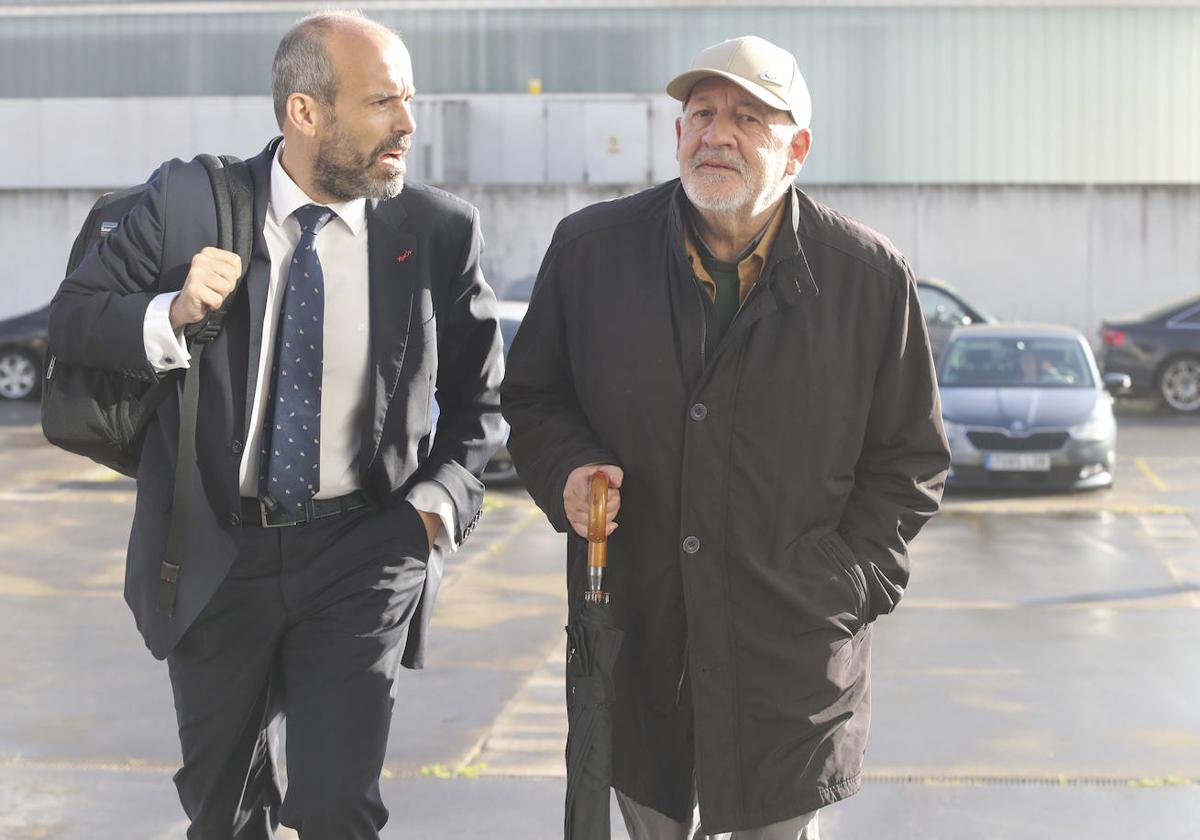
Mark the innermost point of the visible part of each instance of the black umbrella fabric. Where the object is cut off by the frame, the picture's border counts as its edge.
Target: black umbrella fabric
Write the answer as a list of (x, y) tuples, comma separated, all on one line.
[(592, 645)]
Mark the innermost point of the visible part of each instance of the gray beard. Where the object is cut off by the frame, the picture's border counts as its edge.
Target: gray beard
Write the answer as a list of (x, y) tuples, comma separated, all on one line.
[(741, 200), (700, 198), (348, 179)]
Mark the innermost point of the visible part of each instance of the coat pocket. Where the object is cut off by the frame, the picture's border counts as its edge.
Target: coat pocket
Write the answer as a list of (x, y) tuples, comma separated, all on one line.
[(804, 589), (835, 549)]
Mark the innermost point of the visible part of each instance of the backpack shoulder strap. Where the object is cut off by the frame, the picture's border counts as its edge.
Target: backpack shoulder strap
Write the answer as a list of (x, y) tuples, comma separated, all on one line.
[(233, 196), (241, 206)]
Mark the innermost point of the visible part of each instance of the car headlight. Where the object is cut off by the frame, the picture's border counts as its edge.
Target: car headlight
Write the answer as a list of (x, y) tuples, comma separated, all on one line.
[(1099, 426)]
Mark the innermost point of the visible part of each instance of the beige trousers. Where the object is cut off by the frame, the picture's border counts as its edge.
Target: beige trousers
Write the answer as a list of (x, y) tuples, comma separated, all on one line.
[(644, 823)]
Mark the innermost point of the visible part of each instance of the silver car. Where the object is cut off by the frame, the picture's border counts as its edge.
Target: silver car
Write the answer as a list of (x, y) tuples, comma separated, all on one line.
[(500, 469), (1026, 406)]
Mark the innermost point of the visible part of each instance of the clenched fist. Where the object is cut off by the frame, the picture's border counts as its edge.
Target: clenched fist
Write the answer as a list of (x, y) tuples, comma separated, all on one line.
[(575, 496), (213, 275)]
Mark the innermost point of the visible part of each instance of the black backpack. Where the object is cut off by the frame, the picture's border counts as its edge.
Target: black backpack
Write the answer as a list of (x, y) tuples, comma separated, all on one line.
[(103, 413)]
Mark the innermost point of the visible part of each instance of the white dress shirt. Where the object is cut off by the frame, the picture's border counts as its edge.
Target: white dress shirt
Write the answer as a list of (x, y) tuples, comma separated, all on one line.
[(342, 249)]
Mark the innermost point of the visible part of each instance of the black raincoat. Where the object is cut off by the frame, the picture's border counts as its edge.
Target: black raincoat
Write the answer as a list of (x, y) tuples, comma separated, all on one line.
[(770, 491)]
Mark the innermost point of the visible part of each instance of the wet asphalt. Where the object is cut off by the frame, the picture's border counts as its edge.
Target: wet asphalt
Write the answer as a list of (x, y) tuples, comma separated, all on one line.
[(1039, 680)]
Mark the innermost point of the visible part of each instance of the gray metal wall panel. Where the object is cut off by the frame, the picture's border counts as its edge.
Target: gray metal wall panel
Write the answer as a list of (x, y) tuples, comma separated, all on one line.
[(663, 113), (94, 143), (617, 142), (507, 141), (901, 94), (566, 160)]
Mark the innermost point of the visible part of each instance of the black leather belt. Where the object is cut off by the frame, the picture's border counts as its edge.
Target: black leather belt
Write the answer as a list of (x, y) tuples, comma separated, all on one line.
[(255, 512)]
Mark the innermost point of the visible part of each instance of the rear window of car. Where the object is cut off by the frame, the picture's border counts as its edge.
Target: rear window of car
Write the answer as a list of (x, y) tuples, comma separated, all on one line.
[(1187, 317), (1178, 307), (1015, 363)]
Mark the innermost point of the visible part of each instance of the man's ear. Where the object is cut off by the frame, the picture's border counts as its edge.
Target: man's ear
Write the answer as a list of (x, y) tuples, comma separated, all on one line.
[(798, 150), (678, 134), (304, 113)]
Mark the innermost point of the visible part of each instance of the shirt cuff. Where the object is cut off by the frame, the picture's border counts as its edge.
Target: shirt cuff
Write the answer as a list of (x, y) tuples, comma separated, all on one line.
[(431, 497), (165, 348)]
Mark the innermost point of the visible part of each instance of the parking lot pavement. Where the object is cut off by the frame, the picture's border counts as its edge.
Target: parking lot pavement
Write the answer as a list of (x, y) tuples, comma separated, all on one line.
[(1037, 681)]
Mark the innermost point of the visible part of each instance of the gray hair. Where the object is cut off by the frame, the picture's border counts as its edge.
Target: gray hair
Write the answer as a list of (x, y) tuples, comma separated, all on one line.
[(302, 63)]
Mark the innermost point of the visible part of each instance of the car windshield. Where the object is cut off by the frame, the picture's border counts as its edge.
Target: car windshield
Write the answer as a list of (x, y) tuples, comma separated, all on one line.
[(1015, 363)]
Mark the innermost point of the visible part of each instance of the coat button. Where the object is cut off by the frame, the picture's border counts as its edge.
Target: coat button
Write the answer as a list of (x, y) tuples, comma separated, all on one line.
[(691, 545), (698, 411), (236, 447), (235, 519)]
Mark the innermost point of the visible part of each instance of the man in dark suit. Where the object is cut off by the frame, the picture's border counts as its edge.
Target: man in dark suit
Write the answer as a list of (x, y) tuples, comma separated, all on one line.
[(323, 500)]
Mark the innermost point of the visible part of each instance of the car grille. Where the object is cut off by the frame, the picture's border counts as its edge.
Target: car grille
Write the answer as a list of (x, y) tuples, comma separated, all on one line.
[(1000, 442)]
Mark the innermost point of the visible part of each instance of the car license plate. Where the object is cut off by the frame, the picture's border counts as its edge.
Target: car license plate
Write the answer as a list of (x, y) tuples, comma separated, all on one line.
[(1018, 461)]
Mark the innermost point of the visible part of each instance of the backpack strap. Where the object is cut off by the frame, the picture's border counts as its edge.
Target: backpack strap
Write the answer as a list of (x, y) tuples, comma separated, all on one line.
[(233, 196)]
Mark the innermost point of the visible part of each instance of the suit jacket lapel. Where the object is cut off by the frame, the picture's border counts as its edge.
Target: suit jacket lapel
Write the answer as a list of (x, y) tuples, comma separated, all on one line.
[(393, 282), (258, 279)]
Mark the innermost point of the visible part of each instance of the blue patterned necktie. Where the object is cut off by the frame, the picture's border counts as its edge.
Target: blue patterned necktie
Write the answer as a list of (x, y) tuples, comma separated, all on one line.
[(291, 441)]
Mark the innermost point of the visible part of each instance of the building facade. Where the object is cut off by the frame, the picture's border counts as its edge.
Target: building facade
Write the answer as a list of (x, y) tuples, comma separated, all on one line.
[(1043, 158)]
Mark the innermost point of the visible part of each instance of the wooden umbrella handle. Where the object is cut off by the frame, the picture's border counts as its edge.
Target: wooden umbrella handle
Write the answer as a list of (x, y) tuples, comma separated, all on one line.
[(598, 521)]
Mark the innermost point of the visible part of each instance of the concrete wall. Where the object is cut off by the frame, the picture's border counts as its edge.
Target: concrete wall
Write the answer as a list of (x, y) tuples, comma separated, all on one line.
[(1059, 254), (1071, 255)]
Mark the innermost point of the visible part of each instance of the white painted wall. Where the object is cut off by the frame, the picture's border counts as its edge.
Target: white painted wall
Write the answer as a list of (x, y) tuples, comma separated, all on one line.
[(1068, 255), (1071, 255)]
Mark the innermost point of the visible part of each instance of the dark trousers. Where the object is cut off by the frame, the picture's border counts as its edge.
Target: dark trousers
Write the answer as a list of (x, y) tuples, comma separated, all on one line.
[(309, 627)]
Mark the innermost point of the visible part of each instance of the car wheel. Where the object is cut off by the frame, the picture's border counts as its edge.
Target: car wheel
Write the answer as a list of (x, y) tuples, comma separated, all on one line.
[(1179, 383), (19, 373)]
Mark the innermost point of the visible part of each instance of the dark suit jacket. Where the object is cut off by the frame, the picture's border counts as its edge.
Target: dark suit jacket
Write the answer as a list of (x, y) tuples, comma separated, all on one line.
[(433, 326)]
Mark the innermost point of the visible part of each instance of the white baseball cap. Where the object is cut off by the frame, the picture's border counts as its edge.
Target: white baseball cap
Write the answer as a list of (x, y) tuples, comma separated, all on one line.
[(767, 72)]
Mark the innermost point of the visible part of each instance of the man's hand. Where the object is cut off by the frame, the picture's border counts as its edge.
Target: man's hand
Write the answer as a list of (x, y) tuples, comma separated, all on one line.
[(575, 496), (433, 526), (213, 275)]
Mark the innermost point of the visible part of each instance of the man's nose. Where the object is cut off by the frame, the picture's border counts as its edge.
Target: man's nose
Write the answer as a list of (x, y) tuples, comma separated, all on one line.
[(719, 132), (406, 121)]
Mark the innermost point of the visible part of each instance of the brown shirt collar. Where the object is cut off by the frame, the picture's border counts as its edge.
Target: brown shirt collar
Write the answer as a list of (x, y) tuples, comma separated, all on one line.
[(749, 268)]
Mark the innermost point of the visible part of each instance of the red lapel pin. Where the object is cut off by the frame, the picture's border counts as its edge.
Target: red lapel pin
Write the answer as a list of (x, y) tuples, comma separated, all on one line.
[(402, 257)]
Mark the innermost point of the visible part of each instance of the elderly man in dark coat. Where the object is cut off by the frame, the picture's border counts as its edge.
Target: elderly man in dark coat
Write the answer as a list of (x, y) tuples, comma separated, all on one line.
[(752, 371)]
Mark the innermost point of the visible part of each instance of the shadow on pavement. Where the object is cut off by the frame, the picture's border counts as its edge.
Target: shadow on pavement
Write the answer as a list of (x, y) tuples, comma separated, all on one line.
[(27, 412)]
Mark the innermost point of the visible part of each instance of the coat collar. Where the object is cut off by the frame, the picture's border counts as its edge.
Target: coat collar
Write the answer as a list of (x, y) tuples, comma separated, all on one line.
[(258, 277), (787, 271), (394, 281)]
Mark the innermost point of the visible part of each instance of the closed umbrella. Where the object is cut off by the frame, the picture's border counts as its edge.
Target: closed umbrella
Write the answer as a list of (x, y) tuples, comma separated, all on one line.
[(592, 645)]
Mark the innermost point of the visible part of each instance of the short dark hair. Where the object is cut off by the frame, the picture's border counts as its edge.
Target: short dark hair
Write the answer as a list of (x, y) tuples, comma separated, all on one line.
[(302, 63)]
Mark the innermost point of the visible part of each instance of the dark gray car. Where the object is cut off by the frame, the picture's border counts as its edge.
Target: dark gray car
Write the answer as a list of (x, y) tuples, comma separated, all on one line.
[(22, 349), (946, 310), (1026, 406), (1159, 351)]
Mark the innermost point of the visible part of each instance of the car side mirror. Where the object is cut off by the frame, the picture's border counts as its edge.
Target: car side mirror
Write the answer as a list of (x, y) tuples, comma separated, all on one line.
[(1117, 383)]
